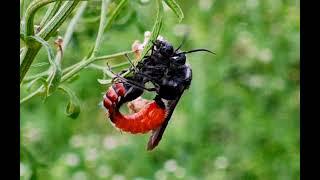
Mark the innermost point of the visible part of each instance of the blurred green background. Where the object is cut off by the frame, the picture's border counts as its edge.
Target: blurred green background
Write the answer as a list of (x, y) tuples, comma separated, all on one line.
[(239, 119)]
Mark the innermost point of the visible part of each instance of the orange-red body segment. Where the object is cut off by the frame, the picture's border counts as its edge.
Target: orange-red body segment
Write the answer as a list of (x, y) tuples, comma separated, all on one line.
[(150, 117)]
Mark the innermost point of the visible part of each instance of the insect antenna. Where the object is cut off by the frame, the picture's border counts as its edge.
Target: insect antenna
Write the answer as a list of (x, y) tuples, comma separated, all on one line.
[(197, 50), (185, 36)]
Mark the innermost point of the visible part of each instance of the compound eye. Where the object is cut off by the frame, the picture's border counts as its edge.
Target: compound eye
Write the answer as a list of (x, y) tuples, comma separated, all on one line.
[(179, 60), (166, 50)]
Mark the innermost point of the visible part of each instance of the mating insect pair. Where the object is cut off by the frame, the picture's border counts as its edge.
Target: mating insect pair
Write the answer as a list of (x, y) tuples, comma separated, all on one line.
[(168, 72)]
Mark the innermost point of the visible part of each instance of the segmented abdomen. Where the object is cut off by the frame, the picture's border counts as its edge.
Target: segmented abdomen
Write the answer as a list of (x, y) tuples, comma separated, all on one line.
[(148, 118)]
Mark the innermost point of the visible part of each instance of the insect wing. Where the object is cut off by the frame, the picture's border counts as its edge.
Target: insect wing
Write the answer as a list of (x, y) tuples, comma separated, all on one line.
[(157, 133)]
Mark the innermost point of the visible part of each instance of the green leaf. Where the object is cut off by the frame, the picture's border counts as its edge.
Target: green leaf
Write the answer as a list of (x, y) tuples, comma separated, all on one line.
[(55, 71), (52, 10), (114, 14), (34, 6), (105, 24), (105, 81), (41, 79), (127, 19), (102, 25), (143, 2), (155, 30), (22, 37), (73, 106), (39, 64), (175, 8), (41, 92), (73, 78), (90, 53), (28, 56), (109, 73)]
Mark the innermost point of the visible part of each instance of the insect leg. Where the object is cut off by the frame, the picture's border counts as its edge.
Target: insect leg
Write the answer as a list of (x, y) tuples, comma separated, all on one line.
[(131, 63)]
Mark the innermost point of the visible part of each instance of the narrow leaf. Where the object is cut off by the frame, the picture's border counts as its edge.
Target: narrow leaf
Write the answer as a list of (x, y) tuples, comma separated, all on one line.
[(40, 64), (22, 37), (102, 24), (109, 73), (155, 30), (114, 14), (73, 78), (44, 83), (52, 10), (73, 106), (55, 69), (175, 8), (105, 81)]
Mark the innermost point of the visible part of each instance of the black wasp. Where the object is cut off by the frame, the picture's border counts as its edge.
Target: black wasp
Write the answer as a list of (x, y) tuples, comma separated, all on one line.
[(167, 70)]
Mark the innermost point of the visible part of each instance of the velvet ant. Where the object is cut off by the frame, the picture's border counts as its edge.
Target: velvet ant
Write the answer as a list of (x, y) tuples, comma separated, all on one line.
[(168, 72)]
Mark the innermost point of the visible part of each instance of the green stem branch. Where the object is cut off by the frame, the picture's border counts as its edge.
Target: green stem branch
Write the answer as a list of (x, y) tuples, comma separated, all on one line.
[(72, 71), (103, 19), (30, 12), (85, 63), (35, 93), (28, 55), (52, 10), (70, 29)]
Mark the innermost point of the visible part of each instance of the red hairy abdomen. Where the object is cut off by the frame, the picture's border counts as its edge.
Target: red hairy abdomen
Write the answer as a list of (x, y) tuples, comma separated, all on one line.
[(150, 117)]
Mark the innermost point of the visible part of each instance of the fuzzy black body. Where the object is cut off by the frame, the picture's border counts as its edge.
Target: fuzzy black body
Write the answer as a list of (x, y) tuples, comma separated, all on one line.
[(165, 68)]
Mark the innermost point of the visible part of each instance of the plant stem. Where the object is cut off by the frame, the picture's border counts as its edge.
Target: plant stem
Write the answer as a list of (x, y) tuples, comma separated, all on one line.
[(103, 19), (155, 30), (68, 69), (58, 19), (30, 12), (22, 8), (111, 56), (52, 10), (80, 66), (36, 92), (120, 65), (103, 68), (72, 71), (85, 63), (70, 29), (26, 59), (115, 14), (30, 78), (28, 55)]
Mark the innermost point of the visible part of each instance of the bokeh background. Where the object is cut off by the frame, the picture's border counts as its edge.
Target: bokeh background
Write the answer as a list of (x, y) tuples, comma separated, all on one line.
[(239, 119)]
